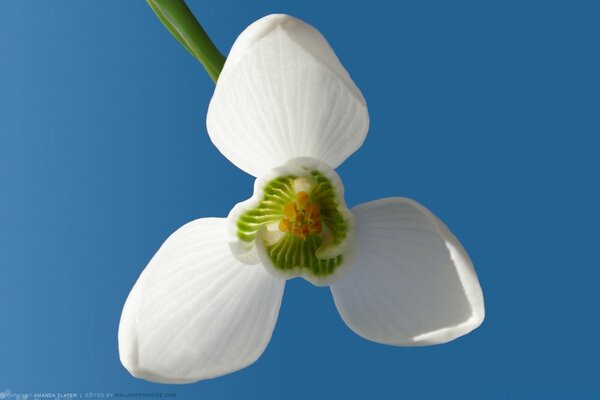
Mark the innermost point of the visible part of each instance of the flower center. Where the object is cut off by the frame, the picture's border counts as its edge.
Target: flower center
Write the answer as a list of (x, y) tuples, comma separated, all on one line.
[(297, 223), (301, 217)]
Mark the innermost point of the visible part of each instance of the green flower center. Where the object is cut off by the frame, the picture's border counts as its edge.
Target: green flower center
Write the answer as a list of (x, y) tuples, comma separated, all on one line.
[(302, 222)]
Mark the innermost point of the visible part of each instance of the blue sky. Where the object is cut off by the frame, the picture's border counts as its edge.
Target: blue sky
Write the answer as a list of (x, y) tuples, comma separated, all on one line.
[(487, 114)]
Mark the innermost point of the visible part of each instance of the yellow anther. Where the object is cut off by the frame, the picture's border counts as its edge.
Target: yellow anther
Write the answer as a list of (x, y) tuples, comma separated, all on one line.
[(300, 232), (301, 218), (285, 225), (312, 212), (315, 227), (302, 199), (290, 211)]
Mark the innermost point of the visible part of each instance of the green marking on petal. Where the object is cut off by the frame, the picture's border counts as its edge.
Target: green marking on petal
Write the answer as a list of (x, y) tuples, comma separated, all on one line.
[(324, 195), (304, 222), (277, 194), (291, 252)]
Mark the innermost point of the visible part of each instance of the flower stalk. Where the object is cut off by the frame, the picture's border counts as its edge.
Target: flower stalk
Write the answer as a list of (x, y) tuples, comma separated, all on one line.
[(179, 20)]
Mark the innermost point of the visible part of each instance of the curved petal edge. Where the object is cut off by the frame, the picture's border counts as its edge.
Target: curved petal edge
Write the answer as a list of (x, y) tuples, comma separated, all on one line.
[(283, 94), (196, 312), (411, 282)]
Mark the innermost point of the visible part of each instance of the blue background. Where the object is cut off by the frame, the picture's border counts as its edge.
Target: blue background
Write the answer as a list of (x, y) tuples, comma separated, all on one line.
[(487, 114)]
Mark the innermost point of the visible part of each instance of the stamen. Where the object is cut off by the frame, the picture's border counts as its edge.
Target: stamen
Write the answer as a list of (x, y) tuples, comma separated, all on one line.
[(312, 212), (301, 223), (285, 225), (302, 199), (290, 211), (301, 217), (315, 227), (299, 232)]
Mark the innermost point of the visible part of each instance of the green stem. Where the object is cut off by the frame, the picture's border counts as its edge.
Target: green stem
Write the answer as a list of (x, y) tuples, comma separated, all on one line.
[(179, 20)]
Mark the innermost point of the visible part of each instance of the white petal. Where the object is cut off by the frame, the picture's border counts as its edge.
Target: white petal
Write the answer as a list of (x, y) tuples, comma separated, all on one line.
[(411, 282), (283, 94), (196, 312)]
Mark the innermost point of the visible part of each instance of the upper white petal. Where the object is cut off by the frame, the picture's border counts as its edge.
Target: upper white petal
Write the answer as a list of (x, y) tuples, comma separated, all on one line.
[(283, 93), (411, 282), (196, 312)]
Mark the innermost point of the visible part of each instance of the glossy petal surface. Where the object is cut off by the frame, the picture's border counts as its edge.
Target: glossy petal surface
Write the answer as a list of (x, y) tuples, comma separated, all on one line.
[(196, 312), (283, 94), (411, 282)]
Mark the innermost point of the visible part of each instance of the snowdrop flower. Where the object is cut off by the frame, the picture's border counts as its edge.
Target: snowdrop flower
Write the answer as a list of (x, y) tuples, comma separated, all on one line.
[(286, 111)]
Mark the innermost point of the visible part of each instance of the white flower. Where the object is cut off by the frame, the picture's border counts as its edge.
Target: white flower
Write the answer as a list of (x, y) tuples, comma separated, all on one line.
[(287, 112)]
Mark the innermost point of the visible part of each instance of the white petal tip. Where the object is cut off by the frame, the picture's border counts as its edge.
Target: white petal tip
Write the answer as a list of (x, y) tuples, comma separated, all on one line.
[(283, 93), (448, 334), (255, 32)]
